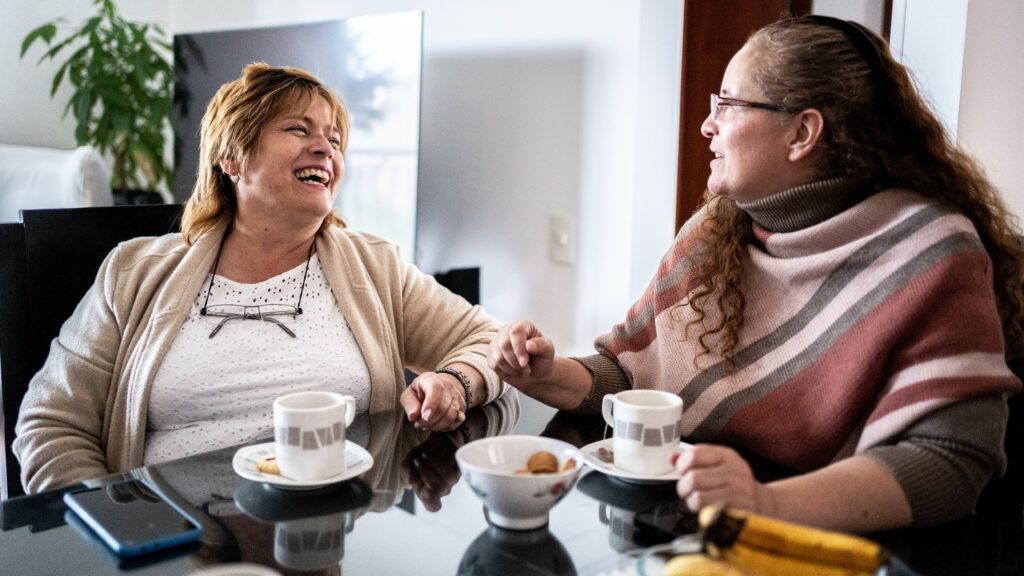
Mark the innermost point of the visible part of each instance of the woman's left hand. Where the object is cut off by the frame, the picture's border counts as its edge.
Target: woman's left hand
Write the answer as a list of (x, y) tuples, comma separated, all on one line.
[(435, 402), (713, 474)]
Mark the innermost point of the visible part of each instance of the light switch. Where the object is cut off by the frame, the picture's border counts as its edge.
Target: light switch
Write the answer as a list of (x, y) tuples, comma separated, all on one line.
[(562, 238)]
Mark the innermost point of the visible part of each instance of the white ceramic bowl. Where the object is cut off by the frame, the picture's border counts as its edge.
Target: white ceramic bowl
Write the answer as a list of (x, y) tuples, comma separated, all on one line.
[(517, 501)]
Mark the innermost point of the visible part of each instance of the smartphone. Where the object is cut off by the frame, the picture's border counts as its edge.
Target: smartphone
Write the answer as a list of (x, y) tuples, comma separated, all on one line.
[(127, 562), (132, 520)]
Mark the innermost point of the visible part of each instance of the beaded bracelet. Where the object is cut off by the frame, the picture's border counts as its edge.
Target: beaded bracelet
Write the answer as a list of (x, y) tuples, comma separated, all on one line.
[(463, 379)]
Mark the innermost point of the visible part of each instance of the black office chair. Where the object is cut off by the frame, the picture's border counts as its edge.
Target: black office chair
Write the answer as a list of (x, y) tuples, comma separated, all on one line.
[(462, 281), (47, 262)]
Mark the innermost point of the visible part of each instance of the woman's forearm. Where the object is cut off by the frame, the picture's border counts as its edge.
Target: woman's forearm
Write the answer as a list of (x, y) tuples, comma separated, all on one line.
[(856, 494), (565, 388)]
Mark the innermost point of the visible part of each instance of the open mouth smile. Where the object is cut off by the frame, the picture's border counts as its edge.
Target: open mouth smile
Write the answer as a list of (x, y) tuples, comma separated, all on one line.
[(313, 175)]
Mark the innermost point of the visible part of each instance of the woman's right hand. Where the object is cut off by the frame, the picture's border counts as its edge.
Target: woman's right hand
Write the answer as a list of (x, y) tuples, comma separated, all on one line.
[(521, 355)]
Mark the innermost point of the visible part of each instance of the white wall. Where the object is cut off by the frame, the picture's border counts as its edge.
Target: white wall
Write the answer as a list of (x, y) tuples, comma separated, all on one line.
[(871, 13), (929, 38), (991, 115)]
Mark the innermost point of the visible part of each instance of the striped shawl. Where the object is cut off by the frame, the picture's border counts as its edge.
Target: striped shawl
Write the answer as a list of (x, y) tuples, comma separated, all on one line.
[(860, 328)]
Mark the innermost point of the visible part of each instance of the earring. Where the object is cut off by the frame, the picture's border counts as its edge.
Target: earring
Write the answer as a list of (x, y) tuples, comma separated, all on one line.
[(234, 178)]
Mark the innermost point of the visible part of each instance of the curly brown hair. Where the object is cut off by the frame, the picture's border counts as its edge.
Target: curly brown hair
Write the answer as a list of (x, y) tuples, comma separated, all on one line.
[(231, 130), (878, 129)]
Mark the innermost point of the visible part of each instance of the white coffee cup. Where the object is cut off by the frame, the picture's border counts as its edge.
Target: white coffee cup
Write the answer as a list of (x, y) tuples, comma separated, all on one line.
[(646, 427), (309, 434)]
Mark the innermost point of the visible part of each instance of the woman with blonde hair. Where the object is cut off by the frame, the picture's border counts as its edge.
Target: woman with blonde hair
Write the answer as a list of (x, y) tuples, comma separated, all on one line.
[(844, 303), (184, 341)]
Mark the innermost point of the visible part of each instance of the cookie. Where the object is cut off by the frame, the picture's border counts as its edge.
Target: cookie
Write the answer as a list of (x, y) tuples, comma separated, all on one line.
[(268, 464), (542, 463)]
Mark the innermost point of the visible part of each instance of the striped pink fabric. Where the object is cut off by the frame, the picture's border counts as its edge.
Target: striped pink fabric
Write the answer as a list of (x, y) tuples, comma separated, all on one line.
[(855, 328)]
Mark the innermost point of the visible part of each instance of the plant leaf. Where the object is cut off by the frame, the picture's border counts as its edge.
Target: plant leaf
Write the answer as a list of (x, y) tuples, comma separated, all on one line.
[(90, 25), (63, 69), (58, 77), (46, 32), (121, 80), (57, 47)]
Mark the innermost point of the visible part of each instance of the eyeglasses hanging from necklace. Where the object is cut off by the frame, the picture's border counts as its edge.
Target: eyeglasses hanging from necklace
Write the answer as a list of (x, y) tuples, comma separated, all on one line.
[(277, 314)]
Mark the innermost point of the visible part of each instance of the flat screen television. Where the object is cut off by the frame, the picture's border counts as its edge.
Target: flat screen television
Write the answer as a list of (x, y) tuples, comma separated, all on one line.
[(374, 62)]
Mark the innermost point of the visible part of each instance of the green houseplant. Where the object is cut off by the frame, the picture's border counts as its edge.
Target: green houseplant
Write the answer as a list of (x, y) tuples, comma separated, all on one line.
[(122, 90)]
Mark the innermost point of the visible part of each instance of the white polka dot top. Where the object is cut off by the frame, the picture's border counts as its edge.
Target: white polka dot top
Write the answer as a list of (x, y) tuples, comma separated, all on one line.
[(211, 393)]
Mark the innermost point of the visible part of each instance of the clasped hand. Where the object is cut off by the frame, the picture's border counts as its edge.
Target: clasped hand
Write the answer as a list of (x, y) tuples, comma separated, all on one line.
[(434, 403), (521, 355)]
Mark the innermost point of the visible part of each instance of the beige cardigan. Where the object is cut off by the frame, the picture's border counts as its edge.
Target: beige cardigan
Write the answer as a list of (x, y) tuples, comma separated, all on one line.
[(84, 414)]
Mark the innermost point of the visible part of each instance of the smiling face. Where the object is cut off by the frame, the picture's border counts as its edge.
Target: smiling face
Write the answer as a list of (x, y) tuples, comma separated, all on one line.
[(293, 175), (751, 146)]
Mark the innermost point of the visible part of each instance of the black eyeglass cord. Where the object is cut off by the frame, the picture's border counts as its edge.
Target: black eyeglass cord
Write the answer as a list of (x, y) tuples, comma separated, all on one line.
[(216, 263)]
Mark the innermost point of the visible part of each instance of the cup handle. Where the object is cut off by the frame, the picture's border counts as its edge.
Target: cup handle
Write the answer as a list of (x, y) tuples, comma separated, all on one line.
[(607, 404), (602, 513), (350, 410)]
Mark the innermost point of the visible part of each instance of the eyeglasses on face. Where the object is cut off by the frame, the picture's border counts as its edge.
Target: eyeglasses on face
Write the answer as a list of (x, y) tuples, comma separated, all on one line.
[(720, 101), (278, 314)]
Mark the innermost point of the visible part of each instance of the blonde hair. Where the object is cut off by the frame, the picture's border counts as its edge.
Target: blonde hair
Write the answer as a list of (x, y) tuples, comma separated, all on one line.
[(231, 130), (877, 128)]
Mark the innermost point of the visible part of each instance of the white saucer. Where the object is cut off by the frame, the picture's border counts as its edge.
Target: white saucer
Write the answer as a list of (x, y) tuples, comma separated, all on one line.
[(591, 459), (357, 461)]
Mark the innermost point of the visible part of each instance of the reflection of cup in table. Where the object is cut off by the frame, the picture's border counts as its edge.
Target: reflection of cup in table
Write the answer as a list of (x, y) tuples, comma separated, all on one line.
[(312, 543), (310, 525), (646, 426), (621, 526), (309, 433)]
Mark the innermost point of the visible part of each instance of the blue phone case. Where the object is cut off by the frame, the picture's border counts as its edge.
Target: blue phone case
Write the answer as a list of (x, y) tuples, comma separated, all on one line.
[(157, 525)]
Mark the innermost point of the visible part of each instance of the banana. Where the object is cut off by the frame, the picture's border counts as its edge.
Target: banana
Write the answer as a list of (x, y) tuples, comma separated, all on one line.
[(725, 528), (756, 562), (700, 565)]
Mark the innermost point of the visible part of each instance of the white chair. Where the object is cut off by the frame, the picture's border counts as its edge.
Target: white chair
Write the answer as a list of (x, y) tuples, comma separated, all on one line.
[(33, 177)]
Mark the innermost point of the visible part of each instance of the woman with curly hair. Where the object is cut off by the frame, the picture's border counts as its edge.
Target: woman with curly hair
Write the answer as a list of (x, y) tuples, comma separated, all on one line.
[(844, 303)]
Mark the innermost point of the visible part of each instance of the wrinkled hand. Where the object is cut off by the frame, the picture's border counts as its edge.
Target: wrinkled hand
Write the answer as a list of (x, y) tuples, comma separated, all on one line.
[(433, 402), (520, 354), (431, 470), (713, 474)]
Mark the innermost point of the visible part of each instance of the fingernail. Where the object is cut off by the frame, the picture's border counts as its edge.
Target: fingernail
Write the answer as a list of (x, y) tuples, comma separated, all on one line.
[(427, 414)]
